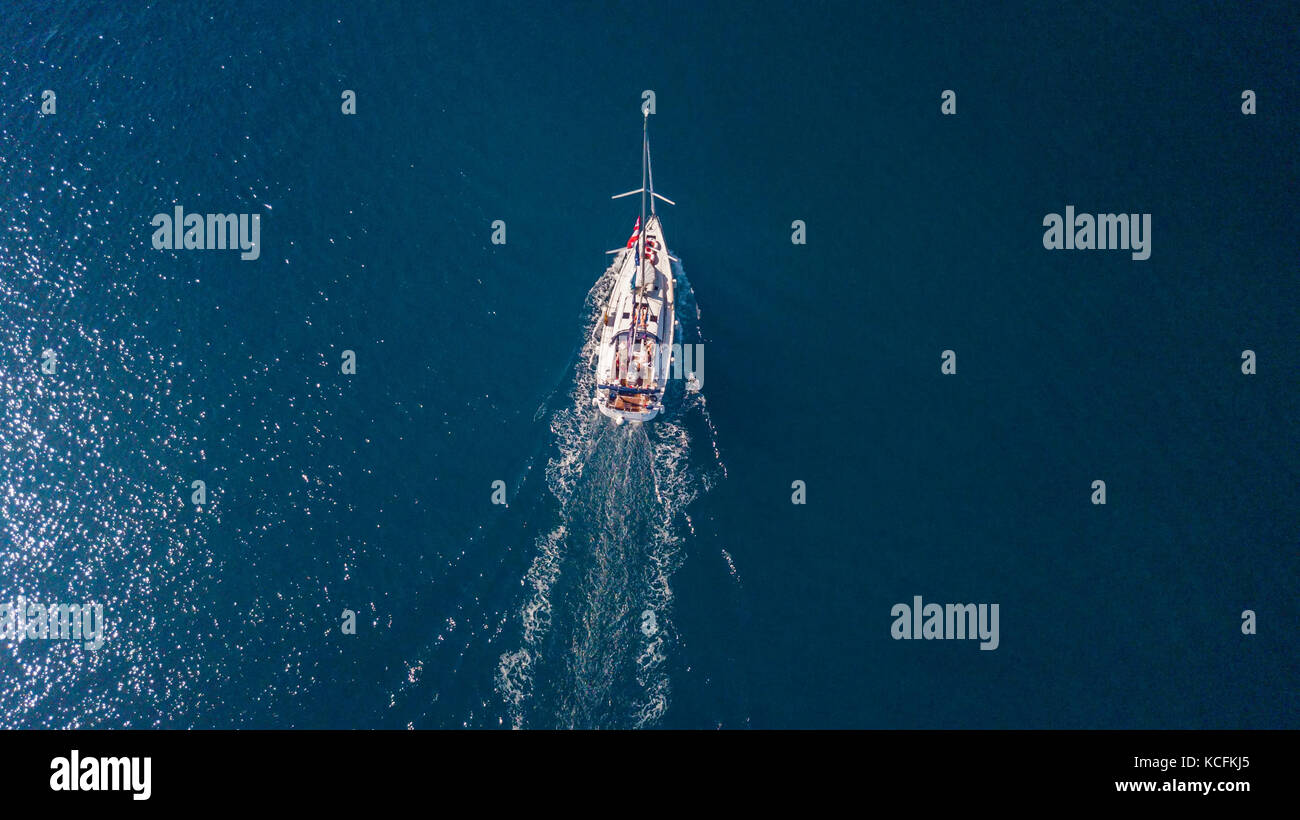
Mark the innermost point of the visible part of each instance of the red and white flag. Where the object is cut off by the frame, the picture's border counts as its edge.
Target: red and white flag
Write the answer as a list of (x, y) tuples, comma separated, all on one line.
[(635, 233)]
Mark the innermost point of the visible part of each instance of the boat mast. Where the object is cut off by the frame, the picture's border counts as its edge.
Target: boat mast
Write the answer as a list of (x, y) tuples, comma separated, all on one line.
[(645, 155), (640, 259), (640, 290), (650, 173)]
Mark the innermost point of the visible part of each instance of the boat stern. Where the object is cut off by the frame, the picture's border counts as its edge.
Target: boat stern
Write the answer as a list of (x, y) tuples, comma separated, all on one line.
[(624, 406)]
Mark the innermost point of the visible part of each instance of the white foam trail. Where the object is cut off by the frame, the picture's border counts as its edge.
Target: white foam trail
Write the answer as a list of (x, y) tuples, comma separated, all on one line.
[(622, 495)]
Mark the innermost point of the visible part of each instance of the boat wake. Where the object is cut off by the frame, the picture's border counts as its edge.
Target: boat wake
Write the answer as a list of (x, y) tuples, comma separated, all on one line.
[(595, 625)]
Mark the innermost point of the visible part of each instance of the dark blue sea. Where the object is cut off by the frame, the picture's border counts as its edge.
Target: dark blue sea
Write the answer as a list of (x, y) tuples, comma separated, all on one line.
[(371, 492)]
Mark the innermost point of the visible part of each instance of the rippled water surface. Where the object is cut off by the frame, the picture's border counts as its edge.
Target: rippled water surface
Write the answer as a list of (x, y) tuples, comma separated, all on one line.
[(653, 576)]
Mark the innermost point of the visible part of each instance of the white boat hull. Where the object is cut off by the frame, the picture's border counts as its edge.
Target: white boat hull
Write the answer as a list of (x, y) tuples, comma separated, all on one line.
[(634, 361)]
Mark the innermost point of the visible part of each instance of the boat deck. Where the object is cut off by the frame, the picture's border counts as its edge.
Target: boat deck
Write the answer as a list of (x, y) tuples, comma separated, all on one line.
[(652, 318)]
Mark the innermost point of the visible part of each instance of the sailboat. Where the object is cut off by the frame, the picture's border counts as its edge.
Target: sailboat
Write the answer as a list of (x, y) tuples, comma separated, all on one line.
[(636, 330)]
